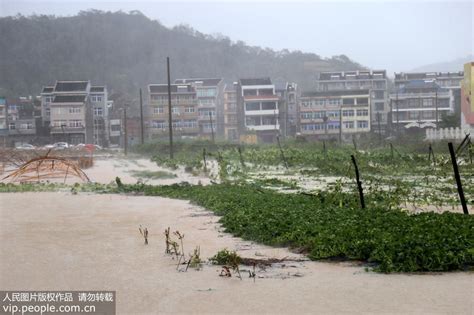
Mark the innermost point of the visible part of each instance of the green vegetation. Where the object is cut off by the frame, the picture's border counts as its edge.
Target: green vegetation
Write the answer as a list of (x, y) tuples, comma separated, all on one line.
[(225, 257)]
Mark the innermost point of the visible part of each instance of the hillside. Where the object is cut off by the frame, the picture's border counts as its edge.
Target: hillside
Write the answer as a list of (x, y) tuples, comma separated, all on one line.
[(453, 65), (128, 50)]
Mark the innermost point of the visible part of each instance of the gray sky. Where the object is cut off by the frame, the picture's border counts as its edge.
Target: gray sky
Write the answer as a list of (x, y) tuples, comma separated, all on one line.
[(392, 35)]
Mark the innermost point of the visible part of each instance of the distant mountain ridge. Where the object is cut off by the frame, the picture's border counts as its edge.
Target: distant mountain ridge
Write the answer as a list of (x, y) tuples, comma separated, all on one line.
[(453, 65), (126, 51)]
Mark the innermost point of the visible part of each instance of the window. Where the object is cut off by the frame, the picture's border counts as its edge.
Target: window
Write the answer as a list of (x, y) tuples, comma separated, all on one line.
[(205, 113), (319, 114), (268, 106), (252, 106), (74, 110), (75, 123), (59, 123), (96, 98), (362, 112), (428, 102), (332, 113), (334, 101), (98, 111), (206, 92), (348, 101), (362, 124), (333, 125), (348, 125), (252, 121), (48, 112), (348, 113), (158, 110), (11, 126), (115, 128), (189, 123), (154, 97), (379, 94), (189, 109), (268, 120), (362, 100), (48, 99), (306, 115), (175, 110), (26, 126), (159, 124), (379, 107), (207, 126), (429, 114)]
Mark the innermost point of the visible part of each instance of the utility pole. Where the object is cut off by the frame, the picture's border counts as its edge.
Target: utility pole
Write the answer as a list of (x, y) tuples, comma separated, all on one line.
[(170, 116), (125, 135), (212, 128), (380, 130), (398, 116), (340, 126), (436, 108), (142, 138)]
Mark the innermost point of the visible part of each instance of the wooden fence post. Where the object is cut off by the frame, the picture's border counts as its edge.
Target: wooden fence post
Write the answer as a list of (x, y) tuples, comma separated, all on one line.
[(458, 178), (359, 183)]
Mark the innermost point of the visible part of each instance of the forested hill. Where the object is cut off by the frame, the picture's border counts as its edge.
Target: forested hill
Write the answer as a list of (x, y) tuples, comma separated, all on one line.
[(128, 50)]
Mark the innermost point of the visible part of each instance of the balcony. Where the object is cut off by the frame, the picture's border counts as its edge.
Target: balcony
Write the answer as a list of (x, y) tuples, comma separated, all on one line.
[(264, 127)]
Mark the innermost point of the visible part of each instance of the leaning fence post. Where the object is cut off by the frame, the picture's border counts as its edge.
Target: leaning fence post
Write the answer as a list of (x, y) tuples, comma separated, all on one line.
[(359, 183), (458, 178), (241, 157), (204, 159), (281, 151)]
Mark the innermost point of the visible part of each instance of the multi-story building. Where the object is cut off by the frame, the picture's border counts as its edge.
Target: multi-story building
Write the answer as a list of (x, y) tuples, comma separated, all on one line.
[(288, 107), (21, 119), (420, 103), (3, 121), (210, 101), (100, 104), (447, 80), (76, 112), (467, 97), (373, 80), (257, 109), (322, 113), (71, 112), (184, 110), (230, 113)]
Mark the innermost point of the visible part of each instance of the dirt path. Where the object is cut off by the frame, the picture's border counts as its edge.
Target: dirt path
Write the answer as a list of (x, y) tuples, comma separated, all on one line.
[(61, 241)]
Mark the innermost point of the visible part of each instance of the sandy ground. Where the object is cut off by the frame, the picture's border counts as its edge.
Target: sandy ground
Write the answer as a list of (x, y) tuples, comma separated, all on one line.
[(59, 241)]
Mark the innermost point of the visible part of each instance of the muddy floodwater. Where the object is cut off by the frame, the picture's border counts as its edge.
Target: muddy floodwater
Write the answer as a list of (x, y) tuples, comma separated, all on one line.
[(60, 241)]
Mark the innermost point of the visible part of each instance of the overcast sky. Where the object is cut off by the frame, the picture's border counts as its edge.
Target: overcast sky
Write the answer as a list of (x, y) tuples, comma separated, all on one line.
[(392, 35)]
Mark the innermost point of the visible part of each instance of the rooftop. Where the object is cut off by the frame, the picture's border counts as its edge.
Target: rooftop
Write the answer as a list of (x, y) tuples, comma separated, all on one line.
[(69, 98), (255, 81), (353, 75), (47, 89), (202, 81), (71, 86), (427, 75), (427, 85), (97, 89)]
